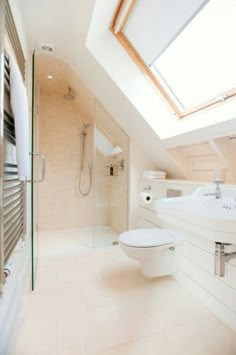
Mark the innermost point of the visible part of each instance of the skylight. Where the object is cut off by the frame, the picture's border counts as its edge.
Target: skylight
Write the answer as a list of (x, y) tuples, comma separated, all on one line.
[(201, 63), (154, 24), (186, 48)]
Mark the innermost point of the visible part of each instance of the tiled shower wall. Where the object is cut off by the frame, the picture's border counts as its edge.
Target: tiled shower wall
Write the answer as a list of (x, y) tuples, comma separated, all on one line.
[(60, 204), (111, 192)]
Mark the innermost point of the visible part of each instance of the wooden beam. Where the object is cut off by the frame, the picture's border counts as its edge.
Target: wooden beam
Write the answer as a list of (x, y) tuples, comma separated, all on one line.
[(180, 161)]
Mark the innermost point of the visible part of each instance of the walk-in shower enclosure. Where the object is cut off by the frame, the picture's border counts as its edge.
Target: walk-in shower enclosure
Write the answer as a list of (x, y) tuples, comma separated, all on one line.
[(82, 145)]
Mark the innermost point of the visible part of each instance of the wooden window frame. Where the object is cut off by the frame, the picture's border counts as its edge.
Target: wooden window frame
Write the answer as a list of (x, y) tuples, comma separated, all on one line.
[(120, 19)]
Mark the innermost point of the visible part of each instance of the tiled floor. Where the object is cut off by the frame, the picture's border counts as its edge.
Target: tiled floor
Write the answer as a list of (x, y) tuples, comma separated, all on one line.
[(74, 240), (96, 302)]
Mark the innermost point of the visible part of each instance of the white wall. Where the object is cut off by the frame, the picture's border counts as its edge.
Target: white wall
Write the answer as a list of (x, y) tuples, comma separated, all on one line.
[(19, 22)]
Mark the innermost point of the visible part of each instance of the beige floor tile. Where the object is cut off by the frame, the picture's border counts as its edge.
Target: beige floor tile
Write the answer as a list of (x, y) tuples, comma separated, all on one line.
[(153, 345), (203, 337), (96, 302), (56, 304), (37, 335), (96, 295), (67, 273), (75, 348), (75, 240), (100, 328), (147, 306), (35, 352)]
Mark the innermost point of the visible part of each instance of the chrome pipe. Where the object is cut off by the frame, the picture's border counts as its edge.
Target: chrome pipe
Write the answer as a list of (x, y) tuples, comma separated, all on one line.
[(15, 239), (8, 237), (9, 210), (12, 220), (221, 257)]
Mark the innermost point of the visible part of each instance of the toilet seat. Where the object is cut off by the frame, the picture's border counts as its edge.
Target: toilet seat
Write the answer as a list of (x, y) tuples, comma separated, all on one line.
[(146, 238)]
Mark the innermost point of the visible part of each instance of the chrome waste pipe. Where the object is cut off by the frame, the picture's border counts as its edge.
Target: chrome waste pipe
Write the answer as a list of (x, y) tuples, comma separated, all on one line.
[(221, 257)]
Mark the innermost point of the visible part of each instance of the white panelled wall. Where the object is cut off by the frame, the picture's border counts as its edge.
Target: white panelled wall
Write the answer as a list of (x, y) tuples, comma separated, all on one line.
[(196, 271)]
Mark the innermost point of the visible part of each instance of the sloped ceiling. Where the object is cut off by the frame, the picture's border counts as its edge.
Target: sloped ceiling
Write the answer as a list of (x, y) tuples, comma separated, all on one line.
[(63, 77), (66, 25), (148, 101)]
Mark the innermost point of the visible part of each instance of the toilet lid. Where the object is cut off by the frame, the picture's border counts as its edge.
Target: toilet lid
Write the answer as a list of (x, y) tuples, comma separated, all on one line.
[(144, 238)]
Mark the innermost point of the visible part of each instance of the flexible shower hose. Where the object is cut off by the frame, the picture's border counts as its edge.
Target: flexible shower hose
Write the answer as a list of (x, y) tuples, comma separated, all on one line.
[(90, 180)]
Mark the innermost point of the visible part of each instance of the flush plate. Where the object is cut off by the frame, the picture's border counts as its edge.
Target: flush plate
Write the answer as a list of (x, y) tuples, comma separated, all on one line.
[(173, 193)]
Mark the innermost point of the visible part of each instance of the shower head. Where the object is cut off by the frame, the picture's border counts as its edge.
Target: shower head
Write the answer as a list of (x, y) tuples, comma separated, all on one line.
[(69, 96)]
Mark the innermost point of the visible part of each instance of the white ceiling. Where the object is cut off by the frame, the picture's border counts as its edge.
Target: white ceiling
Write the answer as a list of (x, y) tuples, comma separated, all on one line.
[(66, 25)]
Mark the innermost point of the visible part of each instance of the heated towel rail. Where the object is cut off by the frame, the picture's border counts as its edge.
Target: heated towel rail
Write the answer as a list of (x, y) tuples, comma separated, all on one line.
[(12, 191)]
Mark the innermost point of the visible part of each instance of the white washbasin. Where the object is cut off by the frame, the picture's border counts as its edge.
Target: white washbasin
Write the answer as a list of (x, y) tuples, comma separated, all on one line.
[(214, 218)]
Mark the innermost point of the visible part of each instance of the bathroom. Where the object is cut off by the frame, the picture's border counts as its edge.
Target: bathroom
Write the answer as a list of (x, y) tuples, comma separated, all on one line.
[(117, 177)]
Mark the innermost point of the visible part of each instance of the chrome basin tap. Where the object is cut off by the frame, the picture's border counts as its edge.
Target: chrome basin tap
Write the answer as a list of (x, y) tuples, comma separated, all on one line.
[(217, 192)]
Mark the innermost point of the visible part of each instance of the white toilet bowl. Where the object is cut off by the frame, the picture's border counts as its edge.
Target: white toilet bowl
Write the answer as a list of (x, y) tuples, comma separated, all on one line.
[(157, 250)]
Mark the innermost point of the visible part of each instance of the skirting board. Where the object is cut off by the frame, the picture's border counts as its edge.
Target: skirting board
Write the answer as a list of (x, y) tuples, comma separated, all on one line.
[(215, 306)]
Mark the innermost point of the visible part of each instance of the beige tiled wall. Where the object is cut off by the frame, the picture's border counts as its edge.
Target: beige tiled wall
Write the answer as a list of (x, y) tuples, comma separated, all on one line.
[(61, 206), (111, 195), (101, 192)]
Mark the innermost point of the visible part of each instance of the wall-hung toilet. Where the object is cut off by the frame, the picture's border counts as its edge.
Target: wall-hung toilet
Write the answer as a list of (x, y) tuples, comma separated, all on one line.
[(157, 250)]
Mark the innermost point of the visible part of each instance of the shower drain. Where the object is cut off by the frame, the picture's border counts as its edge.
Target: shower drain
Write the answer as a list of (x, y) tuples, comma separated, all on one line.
[(115, 243)]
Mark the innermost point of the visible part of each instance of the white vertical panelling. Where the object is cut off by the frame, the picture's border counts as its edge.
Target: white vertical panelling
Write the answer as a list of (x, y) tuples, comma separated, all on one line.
[(216, 306), (197, 268), (221, 291), (202, 243), (205, 260), (199, 256)]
